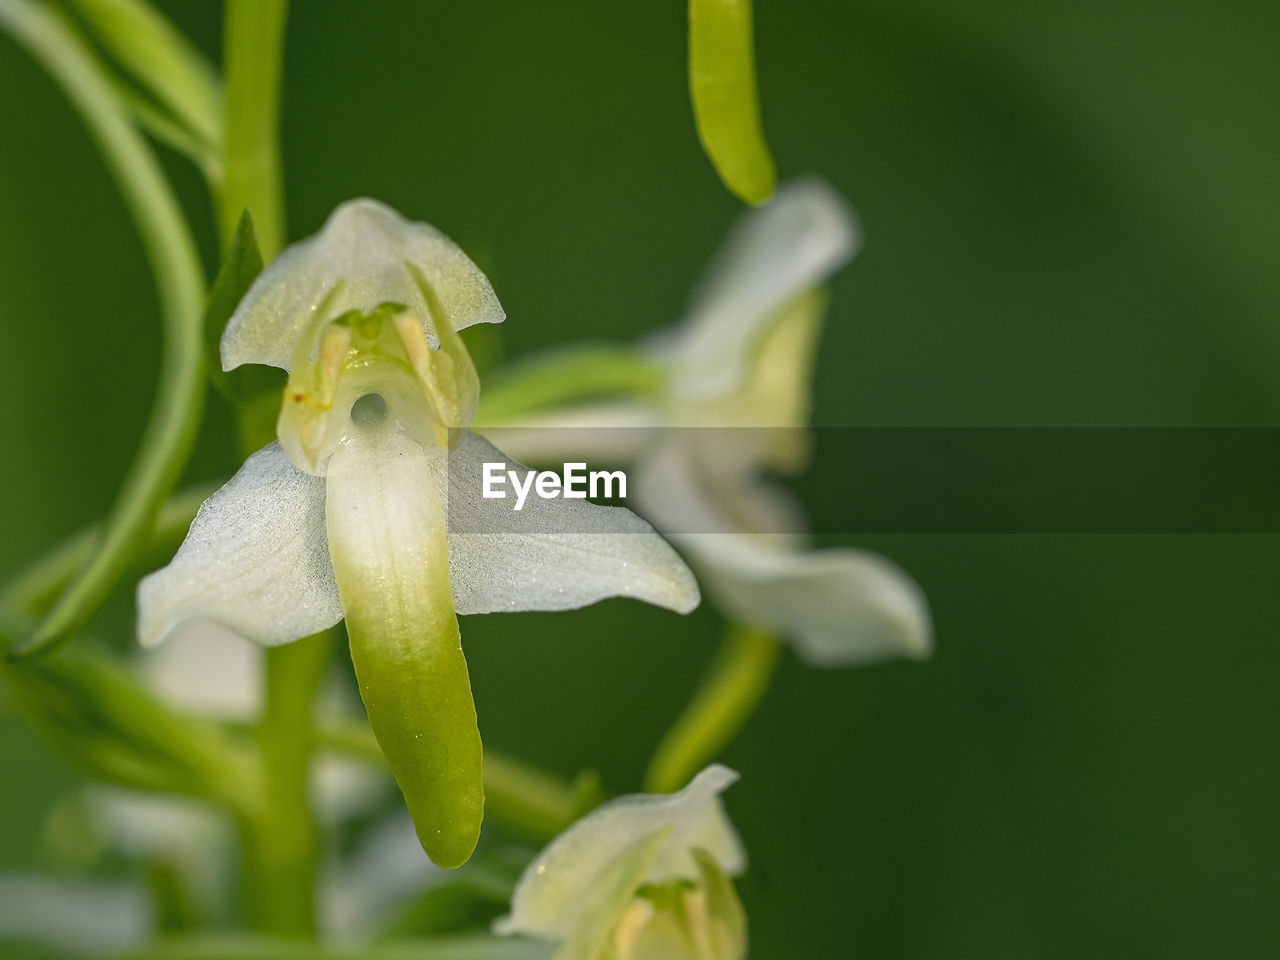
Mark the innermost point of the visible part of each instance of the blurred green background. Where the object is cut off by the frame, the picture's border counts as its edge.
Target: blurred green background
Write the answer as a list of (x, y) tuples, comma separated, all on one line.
[(1072, 219)]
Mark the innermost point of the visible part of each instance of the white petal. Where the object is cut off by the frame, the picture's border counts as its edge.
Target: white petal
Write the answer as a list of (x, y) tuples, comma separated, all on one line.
[(774, 254), (837, 607), (553, 554), (556, 888), (256, 560), (364, 245)]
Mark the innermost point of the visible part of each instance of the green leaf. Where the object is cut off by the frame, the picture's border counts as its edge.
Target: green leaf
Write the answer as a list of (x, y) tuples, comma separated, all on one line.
[(169, 130), (94, 713), (240, 267), (147, 45), (254, 389), (722, 83), (171, 429)]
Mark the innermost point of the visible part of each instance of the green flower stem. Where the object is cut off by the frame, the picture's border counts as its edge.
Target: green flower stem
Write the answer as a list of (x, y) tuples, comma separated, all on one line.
[(530, 801), (722, 84), (734, 685), (566, 376), (281, 845), (180, 282), (282, 850), (162, 60), (34, 590), (253, 46)]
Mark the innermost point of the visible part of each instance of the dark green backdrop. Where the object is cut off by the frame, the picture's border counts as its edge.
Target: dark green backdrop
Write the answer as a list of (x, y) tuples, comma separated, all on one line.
[(1072, 219)]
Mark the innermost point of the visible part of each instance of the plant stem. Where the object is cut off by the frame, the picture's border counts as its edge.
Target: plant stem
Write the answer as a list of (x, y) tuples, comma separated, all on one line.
[(564, 376), (180, 282), (281, 845), (253, 46), (534, 803), (733, 686), (33, 590), (281, 850)]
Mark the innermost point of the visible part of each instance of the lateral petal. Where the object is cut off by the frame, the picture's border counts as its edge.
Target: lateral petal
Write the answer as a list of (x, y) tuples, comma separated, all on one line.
[(256, 560), (552, 554)]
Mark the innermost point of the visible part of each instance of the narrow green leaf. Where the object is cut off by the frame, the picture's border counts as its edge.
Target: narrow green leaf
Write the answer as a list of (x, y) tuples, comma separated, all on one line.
[(33, 591), (240, 267), (722, 82), (175, 265), (253, 388), (162, 59), (169, 130), (94, 713)]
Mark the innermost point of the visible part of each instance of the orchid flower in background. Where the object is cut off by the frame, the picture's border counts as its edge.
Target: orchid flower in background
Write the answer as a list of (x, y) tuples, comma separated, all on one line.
[(349, 513), (731, 398), (643, 877)]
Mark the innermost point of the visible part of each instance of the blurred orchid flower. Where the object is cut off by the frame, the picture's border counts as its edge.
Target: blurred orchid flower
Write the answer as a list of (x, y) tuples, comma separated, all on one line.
[(644, 877), (209, 671), (72, 916), (733, 399), (346, 516)]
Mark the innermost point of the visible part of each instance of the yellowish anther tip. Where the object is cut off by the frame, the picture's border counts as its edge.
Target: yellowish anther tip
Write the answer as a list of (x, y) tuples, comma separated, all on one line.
[(633, 921)]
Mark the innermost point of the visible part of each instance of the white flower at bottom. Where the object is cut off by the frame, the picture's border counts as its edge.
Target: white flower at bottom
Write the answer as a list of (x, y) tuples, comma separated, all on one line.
[(644, 877)]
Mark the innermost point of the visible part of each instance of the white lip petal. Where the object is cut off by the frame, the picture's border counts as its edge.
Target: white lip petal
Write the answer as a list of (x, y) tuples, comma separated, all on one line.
[(838, 607), (775, 253), (556, 888), (364, 245), (256, 560), (553, 554)]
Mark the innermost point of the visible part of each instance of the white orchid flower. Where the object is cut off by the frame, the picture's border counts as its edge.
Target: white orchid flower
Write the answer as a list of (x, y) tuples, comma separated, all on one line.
[(348, 515), (644, 877), (734, 396)]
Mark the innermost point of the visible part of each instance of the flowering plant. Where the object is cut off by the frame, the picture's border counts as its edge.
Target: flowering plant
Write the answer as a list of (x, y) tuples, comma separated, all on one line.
[(230, 756)]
